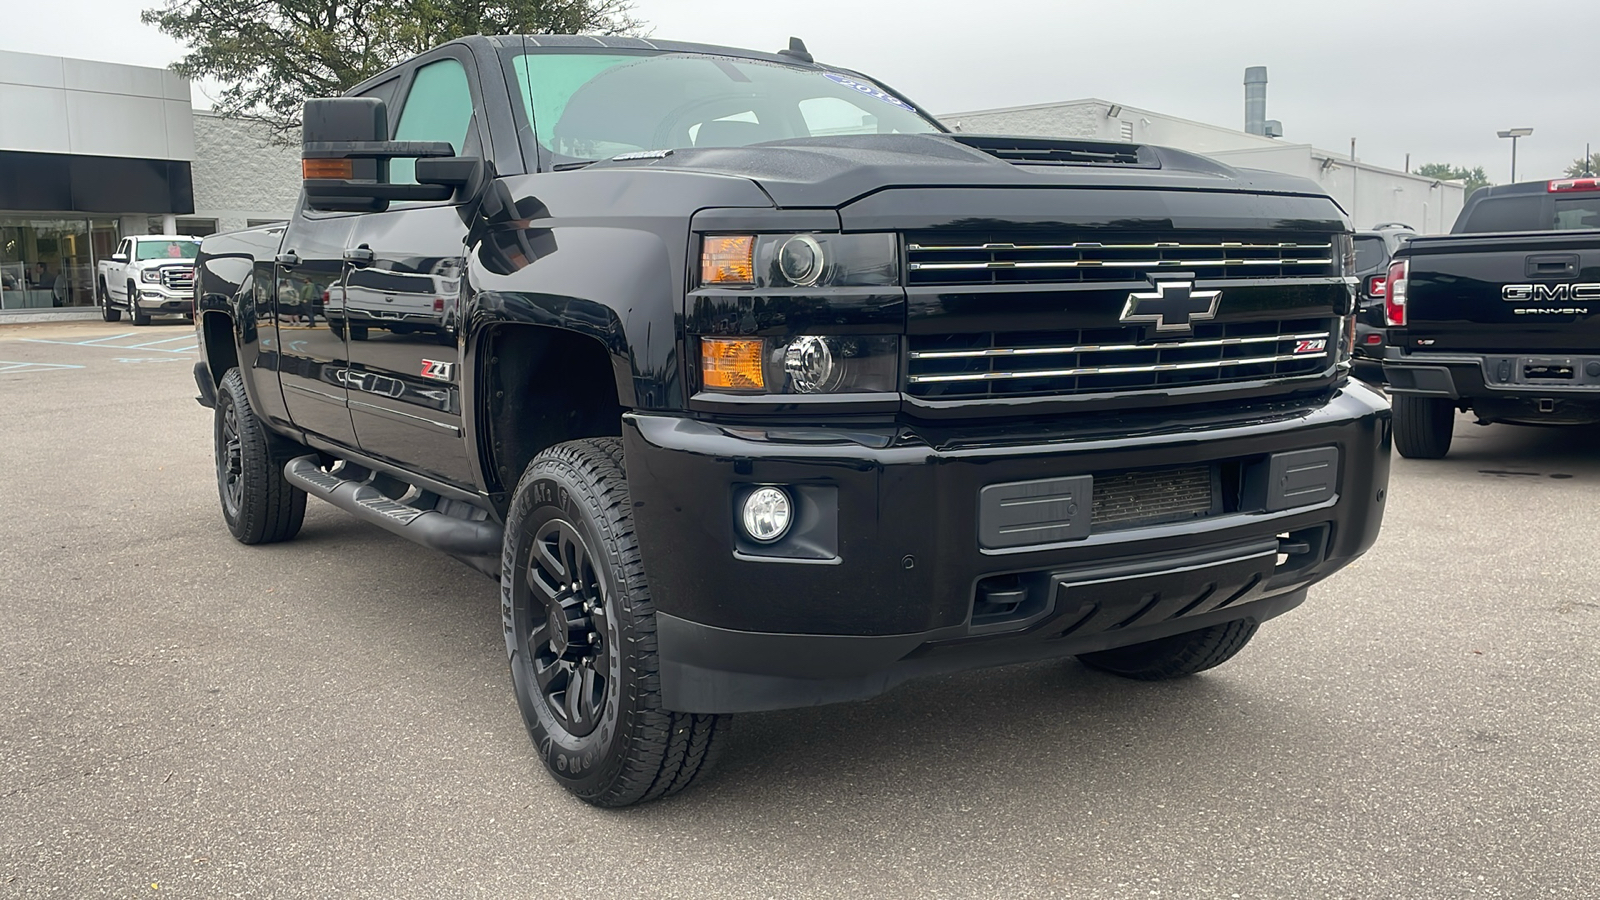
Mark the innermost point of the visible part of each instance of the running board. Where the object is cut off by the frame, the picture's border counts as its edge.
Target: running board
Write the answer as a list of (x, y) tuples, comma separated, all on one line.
[(448, 534)]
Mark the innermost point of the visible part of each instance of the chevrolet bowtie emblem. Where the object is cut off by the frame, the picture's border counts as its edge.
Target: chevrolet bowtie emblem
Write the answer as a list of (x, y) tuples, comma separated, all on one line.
[(1172, 306)]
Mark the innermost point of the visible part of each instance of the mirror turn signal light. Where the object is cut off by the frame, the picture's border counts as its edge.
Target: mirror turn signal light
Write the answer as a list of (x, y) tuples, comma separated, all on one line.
[(732, 364), (728, 260), (343, 169)]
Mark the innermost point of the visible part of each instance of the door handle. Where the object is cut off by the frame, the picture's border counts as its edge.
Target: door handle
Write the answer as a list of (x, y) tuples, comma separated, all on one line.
[(288, 259), (1551, 265), (359, 256)]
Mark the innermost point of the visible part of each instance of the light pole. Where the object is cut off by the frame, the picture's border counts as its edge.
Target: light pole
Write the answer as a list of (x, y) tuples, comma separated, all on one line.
[(1515, 133)]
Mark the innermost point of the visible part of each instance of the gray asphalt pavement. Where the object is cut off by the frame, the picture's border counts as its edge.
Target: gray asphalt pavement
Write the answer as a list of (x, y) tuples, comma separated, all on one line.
[(181, 715)]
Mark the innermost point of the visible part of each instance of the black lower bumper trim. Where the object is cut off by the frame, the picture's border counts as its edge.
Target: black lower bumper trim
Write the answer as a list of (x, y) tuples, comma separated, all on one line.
[(705, 669)]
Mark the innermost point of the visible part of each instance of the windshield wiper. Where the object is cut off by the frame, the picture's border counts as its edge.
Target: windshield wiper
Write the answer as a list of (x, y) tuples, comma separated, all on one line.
[(569, 166)]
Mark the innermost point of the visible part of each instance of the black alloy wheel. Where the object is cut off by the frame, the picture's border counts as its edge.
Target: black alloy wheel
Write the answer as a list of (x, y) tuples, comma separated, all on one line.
[(567, 643), (259, 505), (580, 634), (230, 461)]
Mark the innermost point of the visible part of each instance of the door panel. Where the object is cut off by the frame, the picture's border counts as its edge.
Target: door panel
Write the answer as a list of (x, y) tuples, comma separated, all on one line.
[(308, 307), (405, 382)]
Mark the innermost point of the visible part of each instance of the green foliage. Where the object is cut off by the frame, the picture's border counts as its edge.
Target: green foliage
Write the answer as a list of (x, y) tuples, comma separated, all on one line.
[(1578, 170), (1475, 177), (272, 55)]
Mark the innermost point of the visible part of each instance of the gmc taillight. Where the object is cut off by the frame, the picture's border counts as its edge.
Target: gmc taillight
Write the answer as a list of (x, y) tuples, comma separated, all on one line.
[(1375, 285), (1564, 185), (1394, 294)]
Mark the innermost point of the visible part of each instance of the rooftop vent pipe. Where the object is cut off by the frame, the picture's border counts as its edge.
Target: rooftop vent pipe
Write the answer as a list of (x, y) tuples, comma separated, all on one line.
[(1255, 100)]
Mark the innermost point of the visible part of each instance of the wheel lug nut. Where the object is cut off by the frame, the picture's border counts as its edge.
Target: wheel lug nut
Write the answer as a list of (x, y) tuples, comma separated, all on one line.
[(594, 638)]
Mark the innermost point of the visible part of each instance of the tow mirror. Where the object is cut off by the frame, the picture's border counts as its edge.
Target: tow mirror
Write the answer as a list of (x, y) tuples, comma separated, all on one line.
[(345, 155)]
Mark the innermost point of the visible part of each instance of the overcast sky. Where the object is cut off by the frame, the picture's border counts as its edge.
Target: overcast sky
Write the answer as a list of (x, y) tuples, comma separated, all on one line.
[(1433, 78)]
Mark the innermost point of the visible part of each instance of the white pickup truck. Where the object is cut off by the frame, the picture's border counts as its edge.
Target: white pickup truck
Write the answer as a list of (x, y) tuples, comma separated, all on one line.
[(149, 275)]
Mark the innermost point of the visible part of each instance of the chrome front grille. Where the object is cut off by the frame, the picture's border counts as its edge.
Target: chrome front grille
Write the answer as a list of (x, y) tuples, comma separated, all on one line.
[(178, 278), (996, 364), (933, 259)]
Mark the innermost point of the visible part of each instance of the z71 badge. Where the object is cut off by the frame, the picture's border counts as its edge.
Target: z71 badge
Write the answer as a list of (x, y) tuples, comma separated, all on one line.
[(1316, 345), (437, 370)]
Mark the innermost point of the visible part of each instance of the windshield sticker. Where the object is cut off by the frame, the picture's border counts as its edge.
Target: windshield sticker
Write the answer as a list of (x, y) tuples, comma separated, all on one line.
[(868, 89)]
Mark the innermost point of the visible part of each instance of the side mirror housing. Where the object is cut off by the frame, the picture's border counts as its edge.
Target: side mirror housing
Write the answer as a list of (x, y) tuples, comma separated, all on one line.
[(345, 155), (119, 257)]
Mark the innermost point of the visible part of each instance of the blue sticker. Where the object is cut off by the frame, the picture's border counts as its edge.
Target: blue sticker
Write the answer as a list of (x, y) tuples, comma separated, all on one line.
[(870, 90)]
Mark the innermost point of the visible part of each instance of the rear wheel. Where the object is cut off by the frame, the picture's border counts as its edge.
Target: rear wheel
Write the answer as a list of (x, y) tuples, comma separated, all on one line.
[(258, 503), (138, 316), (1423, 426), (581, 635), (106, 312), (1175, 656)]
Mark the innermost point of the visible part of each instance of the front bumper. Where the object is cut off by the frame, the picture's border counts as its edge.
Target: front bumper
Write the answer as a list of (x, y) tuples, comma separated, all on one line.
[(160, 301), (1540, 388), (891, 580)]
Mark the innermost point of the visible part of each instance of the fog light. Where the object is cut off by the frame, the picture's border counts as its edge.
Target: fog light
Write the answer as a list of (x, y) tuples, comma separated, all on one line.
[(767, 513)]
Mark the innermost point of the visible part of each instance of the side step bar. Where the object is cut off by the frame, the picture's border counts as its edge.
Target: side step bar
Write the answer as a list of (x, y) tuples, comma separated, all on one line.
[(430, 528)]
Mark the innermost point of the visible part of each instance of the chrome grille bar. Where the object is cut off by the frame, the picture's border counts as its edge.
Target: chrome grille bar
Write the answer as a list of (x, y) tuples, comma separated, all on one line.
[(1116, 370), (1107, 348), (1114, 264), (1096, 245)]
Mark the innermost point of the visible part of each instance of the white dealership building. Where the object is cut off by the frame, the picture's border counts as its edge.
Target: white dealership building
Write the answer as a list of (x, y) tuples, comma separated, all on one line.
[(92, 151)]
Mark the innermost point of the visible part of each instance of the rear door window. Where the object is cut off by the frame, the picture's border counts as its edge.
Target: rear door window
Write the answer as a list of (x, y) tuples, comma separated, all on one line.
[(1370, 253)]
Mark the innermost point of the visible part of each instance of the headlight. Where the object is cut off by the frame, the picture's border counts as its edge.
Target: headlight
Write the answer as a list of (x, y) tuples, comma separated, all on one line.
[(150, 275), (798, 260), (806, 364)]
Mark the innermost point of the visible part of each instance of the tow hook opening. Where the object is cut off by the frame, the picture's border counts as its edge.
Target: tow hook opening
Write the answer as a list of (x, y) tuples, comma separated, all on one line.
[(1547, 405), (1301, 549)]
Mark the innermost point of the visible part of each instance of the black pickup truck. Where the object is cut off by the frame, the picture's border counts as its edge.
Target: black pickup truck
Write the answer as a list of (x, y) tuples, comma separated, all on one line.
[(763, 390), (1501, 317)]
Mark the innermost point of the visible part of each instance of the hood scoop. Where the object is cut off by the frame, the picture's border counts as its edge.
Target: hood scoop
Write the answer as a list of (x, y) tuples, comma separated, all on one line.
[(1062, 152)]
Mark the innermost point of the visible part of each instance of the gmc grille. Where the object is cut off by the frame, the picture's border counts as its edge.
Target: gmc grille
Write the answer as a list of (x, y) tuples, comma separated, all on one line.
[(178, 278), (992, 364), (933, 259)]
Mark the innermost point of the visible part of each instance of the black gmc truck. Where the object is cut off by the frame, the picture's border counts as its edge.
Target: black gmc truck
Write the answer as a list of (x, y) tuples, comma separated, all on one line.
[(1501, 317), (759, 389)]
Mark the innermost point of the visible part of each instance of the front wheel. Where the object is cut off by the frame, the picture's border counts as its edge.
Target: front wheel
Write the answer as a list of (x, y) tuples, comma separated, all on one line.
[(1423, 426), (581, 635), (1175, 656), (258, 503), (139, 316)]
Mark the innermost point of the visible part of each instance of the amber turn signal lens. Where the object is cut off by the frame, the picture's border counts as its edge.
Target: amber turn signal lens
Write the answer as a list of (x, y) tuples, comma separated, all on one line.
[(328, 168), (728, 260), (732, 364)]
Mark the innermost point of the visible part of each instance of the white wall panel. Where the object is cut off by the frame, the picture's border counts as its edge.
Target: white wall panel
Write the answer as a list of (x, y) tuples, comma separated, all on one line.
[(33, 119)]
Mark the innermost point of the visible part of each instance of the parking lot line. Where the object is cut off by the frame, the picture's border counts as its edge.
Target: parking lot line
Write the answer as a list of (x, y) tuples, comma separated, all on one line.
[(7, 365), (182, 337), (99, 346)]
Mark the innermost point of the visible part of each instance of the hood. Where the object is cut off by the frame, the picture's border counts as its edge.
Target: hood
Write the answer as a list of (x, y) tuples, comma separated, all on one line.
[(831, 172)]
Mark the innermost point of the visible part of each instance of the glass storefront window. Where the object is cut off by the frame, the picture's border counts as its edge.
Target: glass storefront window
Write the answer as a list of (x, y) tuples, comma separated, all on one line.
[(49, 263)]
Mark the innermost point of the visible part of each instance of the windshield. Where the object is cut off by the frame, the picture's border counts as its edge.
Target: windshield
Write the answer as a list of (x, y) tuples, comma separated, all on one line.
[(183, 249), (587, 106)]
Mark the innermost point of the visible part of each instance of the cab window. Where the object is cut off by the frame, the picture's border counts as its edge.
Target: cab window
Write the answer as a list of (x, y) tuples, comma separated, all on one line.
[(438, 108)]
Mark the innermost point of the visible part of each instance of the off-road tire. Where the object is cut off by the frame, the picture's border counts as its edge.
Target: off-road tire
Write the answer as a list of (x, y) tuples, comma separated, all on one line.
[(637, 751), (138, 316), (1423, 426), (106, 312), (265, 508), (1175, 656)]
